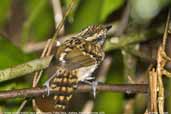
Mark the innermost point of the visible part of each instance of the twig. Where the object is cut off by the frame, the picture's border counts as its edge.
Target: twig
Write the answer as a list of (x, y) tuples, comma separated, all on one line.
[(129, 106), (58, 16), (34, 47), (37, 74), (124, 21), (88, 106), (105, 66), (21, 106), (38, 91), (166, 31), (129, 73), (162, 59), (47, 51), (130, 38), (153, 90), (25, 31)]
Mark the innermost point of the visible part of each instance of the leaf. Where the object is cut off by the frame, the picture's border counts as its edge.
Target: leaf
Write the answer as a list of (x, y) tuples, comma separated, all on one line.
[(93, 12), (108, 7), (86, 14), (10, 55), (40, 19)]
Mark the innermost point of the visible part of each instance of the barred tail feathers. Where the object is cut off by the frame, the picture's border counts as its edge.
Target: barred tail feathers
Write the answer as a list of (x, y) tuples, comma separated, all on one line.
[(64, 82)]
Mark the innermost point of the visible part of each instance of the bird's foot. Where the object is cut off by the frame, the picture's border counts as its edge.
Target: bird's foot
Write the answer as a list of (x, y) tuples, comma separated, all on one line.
[(93, 85), (47, 83)]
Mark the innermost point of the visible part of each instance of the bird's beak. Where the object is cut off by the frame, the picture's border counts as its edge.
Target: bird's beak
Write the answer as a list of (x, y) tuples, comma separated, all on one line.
[(108, 27)]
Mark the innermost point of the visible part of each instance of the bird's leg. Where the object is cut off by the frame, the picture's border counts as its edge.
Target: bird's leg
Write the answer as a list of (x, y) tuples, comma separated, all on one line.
[(94, 87), (47, 83), (93, 84)]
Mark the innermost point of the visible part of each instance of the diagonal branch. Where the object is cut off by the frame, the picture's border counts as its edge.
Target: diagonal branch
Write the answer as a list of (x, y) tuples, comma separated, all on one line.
[(23, 69)]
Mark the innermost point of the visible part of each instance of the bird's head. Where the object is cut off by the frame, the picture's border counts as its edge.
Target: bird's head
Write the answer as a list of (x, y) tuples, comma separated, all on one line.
[(95, 33)]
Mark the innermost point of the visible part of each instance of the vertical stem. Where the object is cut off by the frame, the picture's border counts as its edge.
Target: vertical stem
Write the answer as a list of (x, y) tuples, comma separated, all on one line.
[(129, 72)]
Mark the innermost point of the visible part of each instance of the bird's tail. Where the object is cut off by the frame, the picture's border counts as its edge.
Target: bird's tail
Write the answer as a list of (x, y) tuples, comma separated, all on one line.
[(64, 82)]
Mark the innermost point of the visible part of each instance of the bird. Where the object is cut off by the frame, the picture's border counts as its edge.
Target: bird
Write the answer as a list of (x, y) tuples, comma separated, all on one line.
[(76, 59)]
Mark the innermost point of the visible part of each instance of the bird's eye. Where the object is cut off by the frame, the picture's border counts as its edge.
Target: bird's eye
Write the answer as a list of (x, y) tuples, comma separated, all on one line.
[(100, 38)]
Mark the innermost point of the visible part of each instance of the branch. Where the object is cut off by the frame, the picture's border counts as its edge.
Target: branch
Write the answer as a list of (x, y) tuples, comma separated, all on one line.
[(38, 91), (130, 38), (23, 69), (58, 15)]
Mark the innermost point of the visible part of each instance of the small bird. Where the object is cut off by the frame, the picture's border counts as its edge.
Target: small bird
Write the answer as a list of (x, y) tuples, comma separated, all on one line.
[(77, 58)]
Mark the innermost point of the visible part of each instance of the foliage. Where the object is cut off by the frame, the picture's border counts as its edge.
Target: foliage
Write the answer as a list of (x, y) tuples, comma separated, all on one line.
[(39, 25)]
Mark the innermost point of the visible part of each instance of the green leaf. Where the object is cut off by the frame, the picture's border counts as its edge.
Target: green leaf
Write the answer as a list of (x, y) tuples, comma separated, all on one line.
[(87, 13), (40, 21), (108, 7), (10, 55), (93, 12)]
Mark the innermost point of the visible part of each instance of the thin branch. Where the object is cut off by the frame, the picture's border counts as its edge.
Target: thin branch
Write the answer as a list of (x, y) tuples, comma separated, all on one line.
[(21, 106), (153, 91), (34, 47), (162, 59), (166, 31), (130, 38), (37, 74), (47, 51), (105, 66), (124, 21), (38, 91), (58, 15)]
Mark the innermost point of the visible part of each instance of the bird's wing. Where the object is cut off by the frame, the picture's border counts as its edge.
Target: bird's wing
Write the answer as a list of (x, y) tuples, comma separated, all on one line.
[(77, 59), (77, 53)]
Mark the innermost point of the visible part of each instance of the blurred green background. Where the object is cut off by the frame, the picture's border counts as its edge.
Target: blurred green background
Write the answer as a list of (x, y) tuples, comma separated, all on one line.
[(25, 21)]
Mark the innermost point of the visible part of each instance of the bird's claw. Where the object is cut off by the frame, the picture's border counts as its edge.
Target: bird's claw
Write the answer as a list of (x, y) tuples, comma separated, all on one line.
[(46, 84), (94, 87)]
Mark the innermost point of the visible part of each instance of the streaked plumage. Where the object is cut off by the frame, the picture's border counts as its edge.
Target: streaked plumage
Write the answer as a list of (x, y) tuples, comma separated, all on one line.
[(77, 58)]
